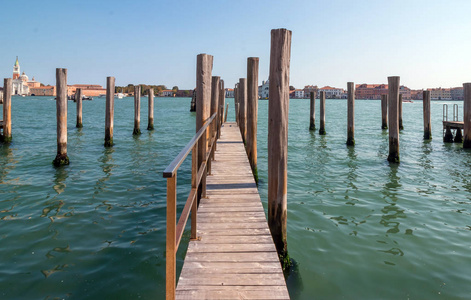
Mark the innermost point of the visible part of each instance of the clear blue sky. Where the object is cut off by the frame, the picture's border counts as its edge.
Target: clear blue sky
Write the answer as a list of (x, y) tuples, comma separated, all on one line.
[(427, 43)]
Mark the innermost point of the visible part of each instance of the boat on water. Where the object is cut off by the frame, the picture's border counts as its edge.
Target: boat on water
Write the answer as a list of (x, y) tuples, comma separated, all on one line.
[(407, 101), (120, 95)]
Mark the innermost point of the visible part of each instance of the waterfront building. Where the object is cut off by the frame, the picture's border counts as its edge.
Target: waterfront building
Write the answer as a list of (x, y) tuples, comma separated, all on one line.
[(263, 89), (457, 93), (89, 90), (49, 90), (374, 91), (229, 93), (440, 94), (166, 93), (298, 93), (308, 89), (417, 94), (331, 92), (19, 82)]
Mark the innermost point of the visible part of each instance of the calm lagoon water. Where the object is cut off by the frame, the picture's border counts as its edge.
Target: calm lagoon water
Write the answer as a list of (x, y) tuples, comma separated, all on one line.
[(358, 227)]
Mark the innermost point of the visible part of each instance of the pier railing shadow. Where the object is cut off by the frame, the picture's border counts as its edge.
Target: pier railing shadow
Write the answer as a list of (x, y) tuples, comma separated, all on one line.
[(174, 229)]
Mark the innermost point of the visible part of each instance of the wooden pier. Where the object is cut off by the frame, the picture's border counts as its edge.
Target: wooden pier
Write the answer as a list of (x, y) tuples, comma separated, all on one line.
[(234, 256)]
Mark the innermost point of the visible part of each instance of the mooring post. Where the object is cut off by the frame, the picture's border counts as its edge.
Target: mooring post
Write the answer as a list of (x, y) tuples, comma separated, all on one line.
[(401, 127), (137, 110), (243, 107), (222, 100), (278, 108), (427, 117), (6, 137), (312, 119), (109, 113), (78, 99), (322, 113), (236, 103), (252, 112), (384, 111), (193, 101), (351, 114), (150, 122), (61, 113), (204, 67), (214, 108), (467, 115), (393, 116), (225, 113)]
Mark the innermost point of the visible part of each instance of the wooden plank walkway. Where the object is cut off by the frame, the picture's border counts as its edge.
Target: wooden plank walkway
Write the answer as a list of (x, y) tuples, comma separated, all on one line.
[(453, 124), (235, 257)]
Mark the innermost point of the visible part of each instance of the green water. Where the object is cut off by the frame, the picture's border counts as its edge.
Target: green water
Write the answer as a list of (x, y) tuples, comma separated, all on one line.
[(358, 227)]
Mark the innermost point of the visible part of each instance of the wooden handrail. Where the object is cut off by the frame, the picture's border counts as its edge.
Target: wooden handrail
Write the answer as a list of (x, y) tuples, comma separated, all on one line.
[(175, 229), (172, 168)]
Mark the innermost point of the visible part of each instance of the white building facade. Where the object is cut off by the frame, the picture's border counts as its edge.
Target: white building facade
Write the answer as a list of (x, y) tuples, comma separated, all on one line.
[(19, 82)]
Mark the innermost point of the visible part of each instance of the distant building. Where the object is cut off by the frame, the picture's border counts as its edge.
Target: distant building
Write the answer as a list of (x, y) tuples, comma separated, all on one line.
[(90, 90), (229, 93), (166, 93), (417, 94), (49, 90), (298, 93), (440, 94), (263, 90), (308, 89), (457, 93), (19, 82), (374, 91), (331, 92)]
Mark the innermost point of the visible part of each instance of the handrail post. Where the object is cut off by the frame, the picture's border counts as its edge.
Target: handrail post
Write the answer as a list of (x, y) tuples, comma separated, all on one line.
[(208, 165), (170, 281), (194, 175)]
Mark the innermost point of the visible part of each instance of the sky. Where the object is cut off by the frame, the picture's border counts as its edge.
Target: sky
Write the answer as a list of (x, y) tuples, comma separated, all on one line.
[(426, 43)]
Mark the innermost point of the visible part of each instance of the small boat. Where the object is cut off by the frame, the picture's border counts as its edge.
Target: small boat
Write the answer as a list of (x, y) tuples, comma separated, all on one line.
[(120, 95), (407, 101), (86, 98)]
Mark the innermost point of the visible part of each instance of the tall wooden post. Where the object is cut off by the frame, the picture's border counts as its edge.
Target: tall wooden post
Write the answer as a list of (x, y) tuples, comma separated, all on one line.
[(393, 116), (61, 113), (109, 113), (467, 115), (401, 127), (351, 114), (204, 67), (322, 113), (427, 117), (384, 111), (242, 91), (193, 101), (150, 122), (78, 99), (214, 108), (278, 108), (236, 103), (312, 119), (6, 137), (252, 112), (222, 100), (137, 110)]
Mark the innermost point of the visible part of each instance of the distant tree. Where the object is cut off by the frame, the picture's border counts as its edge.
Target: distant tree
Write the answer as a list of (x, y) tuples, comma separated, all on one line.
[(291, 88), (175, 89)]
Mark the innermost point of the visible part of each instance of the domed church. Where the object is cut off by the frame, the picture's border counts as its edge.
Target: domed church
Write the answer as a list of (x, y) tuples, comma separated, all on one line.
[(19, 82)]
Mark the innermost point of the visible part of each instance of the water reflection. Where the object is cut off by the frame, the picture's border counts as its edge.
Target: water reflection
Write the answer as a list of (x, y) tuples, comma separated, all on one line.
[(59, 179), (107, 164), (7, 163), (391, 212)]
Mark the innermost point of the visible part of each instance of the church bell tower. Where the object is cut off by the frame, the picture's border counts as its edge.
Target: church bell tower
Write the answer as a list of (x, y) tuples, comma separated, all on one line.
[(16, 69)]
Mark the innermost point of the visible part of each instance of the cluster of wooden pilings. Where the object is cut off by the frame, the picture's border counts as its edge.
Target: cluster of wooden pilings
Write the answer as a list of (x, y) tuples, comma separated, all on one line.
[(391, 116), (61, 113)]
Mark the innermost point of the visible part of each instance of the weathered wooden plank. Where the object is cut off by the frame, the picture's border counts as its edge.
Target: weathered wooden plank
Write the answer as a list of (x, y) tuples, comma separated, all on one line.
[(228, 280), (233, 292), (237, 239), (232, 268), (234, 232), (230, 248)]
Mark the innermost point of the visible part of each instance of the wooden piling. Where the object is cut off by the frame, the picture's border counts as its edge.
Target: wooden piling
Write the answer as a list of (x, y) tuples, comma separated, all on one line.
[(61, 114), (214, 108), (225, 112), (467, 115), (312, 119), (222, 100), (204, 67), (236, 103), (393, 116), (78, 99), (6, 136), (278, 108), (427, 117), (109, 113), (384, 111), (243, 107), (137, 110), (193, 101), (351, 114), (322, 113), (401, 127), (252, 112), (150, 122)]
